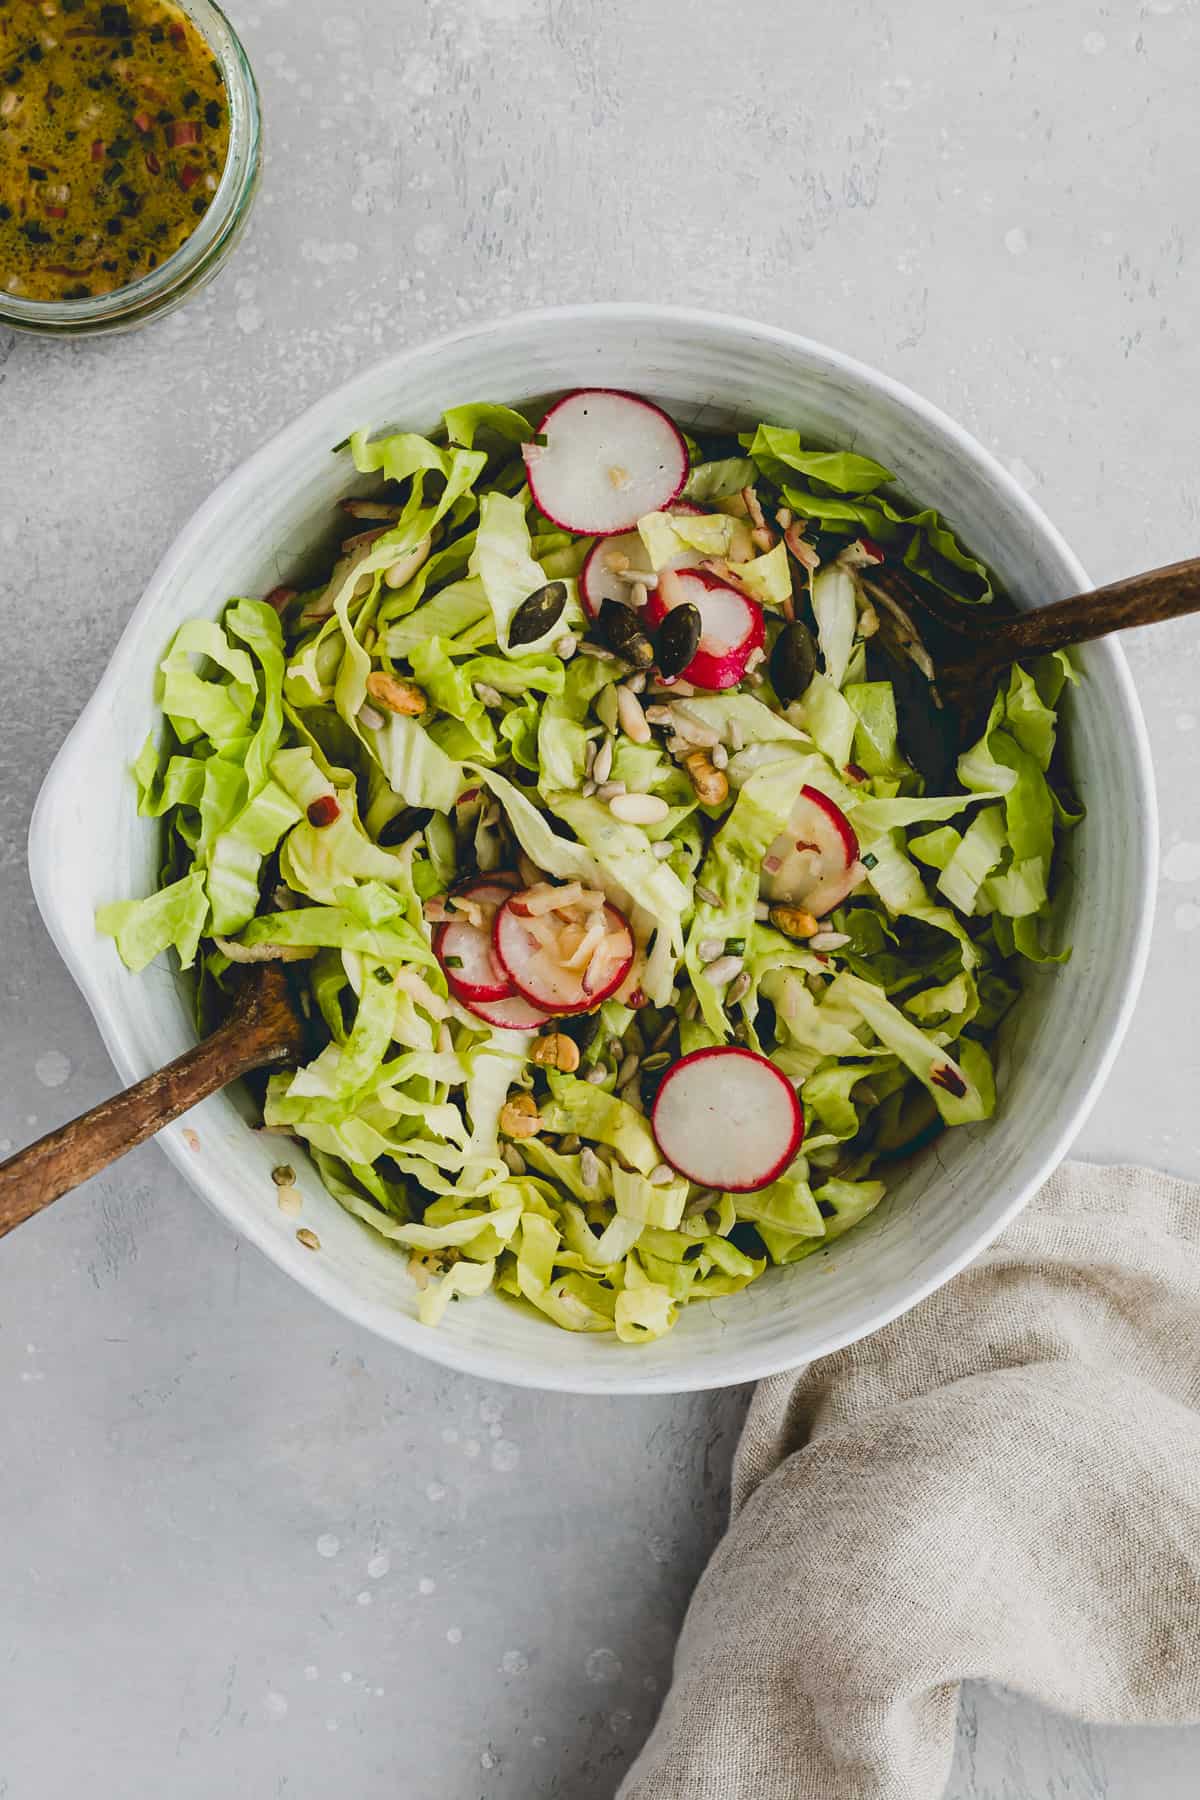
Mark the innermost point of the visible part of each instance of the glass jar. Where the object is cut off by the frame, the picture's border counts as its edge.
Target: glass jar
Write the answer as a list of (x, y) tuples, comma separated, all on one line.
[(200, 256)]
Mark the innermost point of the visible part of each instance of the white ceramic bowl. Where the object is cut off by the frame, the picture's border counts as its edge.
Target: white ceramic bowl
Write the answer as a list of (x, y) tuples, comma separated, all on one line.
[(88, 845)]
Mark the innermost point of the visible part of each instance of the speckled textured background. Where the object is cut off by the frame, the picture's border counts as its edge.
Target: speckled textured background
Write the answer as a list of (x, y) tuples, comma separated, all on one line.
[(243, 1547)]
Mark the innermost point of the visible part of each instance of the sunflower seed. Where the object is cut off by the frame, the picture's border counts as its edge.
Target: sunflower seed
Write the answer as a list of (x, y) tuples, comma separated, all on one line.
[(284, 1175), (637, 578), (628, 1069), (662, 1175), (566, 646), (570, 1144), (632, 718), (828, 940), (601, 767), (513, 1158), (369, 719), (658, 1059), (606, 707), (610, 790), (589, 756), (690, 1007), (663, 849), (720, 757), (762, 912), (639, 809), (707, 895), (489, 695), (588, 789), (597, 1075), (736, 735), (589, 1167), (721, 972), (637, 682), (690, 724), (638, 594), (659, 715), (308, 1238), (738, 988), (597, 652), (709, 949)]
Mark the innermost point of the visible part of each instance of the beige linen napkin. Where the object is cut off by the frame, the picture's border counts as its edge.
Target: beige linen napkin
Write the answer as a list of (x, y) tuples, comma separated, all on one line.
[(1003, 1485)]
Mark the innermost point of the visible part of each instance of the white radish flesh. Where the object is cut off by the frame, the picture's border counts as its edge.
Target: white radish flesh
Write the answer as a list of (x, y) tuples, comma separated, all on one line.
[(471, 970), (538, 956), (814, 864), (513, 1013), (731, 624), (608, 458), (728, 1119)]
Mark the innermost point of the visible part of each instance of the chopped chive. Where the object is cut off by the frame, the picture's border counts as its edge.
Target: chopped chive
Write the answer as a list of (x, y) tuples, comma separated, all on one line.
[(344, 445), (540, 439), (869, 861)]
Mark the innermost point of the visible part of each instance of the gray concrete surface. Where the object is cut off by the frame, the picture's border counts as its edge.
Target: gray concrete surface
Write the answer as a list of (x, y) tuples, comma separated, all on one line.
[(243, 1547)]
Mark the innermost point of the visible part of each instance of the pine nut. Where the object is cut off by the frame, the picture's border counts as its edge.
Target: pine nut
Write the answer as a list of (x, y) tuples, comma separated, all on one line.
[(639, 809), (633, 720)]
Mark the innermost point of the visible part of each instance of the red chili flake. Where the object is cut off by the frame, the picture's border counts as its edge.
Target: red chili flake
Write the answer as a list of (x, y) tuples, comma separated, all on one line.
[(872, 548), (279, 597), (55, 212), (950, 1080), (820, 956), (182, 131), (803, 844), (143, 122), (189, 175), (152, 163), (178, 34), (856, 772), (636, 999), (98, 150), (465, 798), (323, 811), (519, 909)]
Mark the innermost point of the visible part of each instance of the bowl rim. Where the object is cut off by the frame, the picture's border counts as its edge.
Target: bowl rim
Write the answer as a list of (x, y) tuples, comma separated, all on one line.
[(394, 1326)]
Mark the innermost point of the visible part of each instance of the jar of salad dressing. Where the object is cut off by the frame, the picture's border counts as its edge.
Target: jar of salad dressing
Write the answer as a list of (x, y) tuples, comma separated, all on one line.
[(129, 158)]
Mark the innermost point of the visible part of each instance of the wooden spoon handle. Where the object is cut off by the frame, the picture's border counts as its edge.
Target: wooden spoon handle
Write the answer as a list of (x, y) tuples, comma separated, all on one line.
[(1169, 593), (62, 1159)]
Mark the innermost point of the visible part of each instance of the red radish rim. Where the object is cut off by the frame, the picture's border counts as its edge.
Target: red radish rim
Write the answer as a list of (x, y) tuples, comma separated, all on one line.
[(591, 1001), (601, 543), (477, 1008), (798, 1124), (468, 990), (638, 400), (837, 819), (707, 670)]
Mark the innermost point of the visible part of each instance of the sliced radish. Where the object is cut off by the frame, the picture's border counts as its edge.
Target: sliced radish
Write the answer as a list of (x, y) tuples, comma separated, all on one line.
[(608, 458), (567, 961), (471, 969), (731, 624), (510, 1014), (599, 581), (728, 1119), (814, 863), (463, 945)]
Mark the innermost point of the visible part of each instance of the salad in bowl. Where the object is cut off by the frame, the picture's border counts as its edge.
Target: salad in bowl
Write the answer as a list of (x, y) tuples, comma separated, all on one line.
[(598, 800)]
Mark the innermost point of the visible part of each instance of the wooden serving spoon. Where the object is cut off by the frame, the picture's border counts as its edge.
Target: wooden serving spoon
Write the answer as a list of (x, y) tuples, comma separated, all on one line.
[(967, 647), (265, 1027)]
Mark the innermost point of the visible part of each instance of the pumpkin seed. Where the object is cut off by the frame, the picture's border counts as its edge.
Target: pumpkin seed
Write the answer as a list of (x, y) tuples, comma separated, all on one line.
[(538, 614), (678, 639), (625, 635), (793, 662)]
